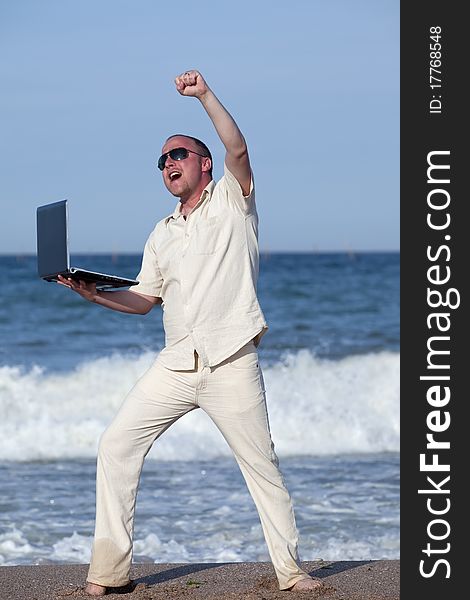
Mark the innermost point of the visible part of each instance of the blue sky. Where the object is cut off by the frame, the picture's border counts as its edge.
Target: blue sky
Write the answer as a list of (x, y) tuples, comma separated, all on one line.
[(88, 98)]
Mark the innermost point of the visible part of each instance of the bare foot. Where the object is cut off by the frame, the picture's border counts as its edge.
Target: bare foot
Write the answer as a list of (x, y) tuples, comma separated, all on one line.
[(304, 585), (93, 589)]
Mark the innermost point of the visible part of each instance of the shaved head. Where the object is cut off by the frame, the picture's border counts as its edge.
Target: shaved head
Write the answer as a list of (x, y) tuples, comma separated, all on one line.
[(199, 144)]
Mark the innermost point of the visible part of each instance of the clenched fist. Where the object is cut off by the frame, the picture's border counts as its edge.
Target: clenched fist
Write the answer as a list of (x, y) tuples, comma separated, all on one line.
[(191, 83)]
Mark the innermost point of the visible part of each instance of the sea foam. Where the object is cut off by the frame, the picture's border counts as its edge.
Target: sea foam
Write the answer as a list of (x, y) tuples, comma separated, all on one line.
[(316, 407)]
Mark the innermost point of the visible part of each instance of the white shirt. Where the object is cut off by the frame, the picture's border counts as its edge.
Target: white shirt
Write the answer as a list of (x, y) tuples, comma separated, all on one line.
[(205, 269)]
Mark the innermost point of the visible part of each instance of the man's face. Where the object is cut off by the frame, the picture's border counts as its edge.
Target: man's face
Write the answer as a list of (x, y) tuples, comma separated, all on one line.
[(184, 177)]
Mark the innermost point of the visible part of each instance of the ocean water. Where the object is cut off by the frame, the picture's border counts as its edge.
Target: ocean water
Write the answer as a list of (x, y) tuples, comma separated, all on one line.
[(331, 355)]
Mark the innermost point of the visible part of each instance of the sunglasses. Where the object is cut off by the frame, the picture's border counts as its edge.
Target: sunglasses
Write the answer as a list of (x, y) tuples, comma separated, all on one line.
[(176, 154)]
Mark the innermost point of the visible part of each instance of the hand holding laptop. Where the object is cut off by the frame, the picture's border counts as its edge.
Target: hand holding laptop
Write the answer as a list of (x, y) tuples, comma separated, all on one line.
[(54, 265), (86, 290), (53, 252), (122, 301)]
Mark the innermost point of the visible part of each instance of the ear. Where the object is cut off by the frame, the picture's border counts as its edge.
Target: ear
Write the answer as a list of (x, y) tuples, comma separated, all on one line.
[(206, 164)]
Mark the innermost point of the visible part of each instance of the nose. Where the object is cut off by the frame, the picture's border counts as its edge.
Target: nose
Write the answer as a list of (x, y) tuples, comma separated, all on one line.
[(169, 161)]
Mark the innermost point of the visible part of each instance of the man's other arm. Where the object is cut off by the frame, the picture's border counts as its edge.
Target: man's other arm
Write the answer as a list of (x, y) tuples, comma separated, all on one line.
[(123, 301), (191, 83)]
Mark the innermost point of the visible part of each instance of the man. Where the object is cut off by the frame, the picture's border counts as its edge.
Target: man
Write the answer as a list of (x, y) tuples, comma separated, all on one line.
[(201, 264)]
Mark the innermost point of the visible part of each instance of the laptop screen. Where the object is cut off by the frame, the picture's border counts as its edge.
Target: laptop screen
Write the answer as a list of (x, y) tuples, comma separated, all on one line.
[(51, 221)]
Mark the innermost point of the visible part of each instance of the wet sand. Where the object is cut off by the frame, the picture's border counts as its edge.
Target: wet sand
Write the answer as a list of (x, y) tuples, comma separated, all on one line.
[(343, 580)]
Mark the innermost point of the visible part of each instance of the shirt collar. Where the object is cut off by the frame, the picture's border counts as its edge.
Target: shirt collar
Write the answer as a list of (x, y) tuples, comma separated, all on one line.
[(206, 193)]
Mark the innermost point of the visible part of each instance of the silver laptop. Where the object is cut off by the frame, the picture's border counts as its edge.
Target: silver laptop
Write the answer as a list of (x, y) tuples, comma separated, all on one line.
[(53, 253)]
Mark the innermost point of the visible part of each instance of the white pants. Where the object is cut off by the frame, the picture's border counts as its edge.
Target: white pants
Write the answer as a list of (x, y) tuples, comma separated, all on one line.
[(232, 394)]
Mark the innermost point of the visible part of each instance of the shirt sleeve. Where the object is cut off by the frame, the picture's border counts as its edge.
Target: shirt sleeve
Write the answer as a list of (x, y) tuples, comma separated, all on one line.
[(150, 278), (235, 194)]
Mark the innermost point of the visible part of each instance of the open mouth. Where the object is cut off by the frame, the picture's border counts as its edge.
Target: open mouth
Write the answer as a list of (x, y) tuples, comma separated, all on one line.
[(174, 175)]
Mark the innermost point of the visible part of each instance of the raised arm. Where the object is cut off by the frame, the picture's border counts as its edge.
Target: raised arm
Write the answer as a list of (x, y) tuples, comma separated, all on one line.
[(122, 301), (192, 83)]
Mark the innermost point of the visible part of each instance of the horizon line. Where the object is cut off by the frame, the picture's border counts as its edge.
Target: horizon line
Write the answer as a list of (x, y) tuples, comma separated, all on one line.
[(262, 251)]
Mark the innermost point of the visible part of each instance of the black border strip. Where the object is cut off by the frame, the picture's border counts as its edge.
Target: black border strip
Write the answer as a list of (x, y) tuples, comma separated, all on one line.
[(424, 247)]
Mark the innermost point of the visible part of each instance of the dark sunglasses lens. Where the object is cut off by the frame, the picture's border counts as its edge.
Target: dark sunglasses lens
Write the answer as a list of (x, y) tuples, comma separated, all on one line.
[(161, 162), (178, 153), (175, 154)]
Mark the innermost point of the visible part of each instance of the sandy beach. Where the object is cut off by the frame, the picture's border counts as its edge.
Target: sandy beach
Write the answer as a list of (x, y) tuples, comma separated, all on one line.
[(344, 580)]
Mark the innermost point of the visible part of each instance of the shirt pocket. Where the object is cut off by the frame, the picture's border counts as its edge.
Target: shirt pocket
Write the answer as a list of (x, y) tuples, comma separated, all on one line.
[(206, 236)]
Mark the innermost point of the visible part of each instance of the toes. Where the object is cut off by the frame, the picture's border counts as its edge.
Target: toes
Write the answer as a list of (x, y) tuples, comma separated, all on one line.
[(95, 590), (307, 584)]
